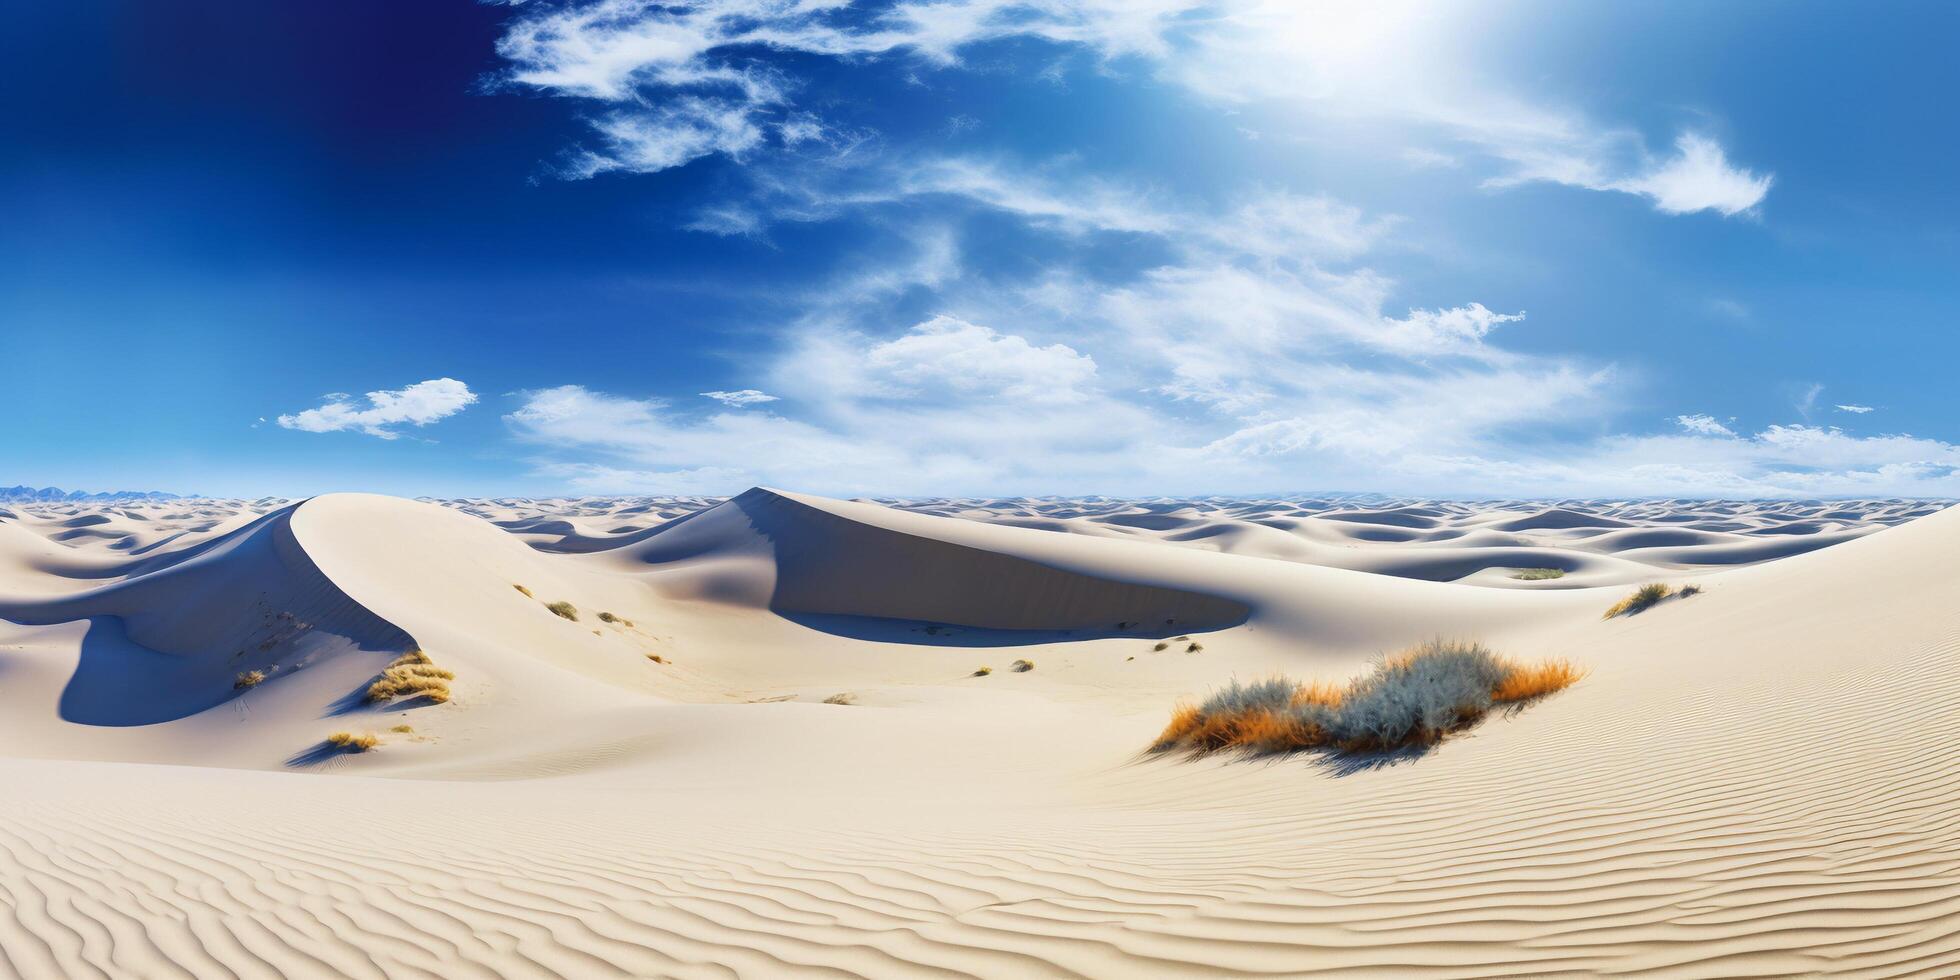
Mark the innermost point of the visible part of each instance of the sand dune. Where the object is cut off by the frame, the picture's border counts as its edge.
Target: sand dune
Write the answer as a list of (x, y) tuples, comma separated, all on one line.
[(1755, 780)]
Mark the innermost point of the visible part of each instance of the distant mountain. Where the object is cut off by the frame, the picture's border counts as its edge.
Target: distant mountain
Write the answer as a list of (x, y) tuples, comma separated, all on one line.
[(24, 494)]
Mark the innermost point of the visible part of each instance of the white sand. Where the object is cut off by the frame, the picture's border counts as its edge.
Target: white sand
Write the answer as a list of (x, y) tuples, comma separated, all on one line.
[(1759, 780)]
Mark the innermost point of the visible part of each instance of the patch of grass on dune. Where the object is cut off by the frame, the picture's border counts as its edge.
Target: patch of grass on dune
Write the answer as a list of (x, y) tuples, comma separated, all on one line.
[(352, 742), (1412, 699), (1647, 597), (563, 610), (412, 674), (1539, 574)]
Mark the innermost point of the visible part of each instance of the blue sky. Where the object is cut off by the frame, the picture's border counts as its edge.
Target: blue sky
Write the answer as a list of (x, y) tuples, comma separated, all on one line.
[(980, 247)]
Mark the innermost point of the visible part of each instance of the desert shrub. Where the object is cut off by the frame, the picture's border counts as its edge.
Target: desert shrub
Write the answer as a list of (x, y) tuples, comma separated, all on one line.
[(402, 729), (606, 617), (1539, 574), (248, 679), (527, 592), (982, 672), (412, 675), (352, 742), (1161, 646), (841, 699), (1021, 666), (563, 610), (1194, 648), (1642, 599), (1688, 590), (1414, 698), (656, 658)]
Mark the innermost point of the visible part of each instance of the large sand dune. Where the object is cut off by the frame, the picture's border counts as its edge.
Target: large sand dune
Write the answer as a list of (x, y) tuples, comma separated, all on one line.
[(1757, 780)]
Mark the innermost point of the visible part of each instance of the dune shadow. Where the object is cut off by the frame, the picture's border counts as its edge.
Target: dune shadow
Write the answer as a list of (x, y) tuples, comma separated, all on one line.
[(917, 632), (319, 753), (120, 683)]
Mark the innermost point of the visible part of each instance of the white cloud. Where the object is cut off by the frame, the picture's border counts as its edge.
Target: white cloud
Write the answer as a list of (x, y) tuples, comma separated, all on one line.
[(1699, 178), (739, 399), (690, 79), (1704, 425), (1856, 409), (418, 404)]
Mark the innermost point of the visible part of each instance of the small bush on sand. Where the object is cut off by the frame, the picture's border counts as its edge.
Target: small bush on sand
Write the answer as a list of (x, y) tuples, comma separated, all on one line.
[(1411, 699), (982, 672), (563, 610), (527, 592), (412, 675), (1021, 666), (841, 699), (1194, 648), (402, 729), (248, 680), (1161, 646), (656, 658), (1539, 574), (1642, 599), (606, 617), (352, 742)]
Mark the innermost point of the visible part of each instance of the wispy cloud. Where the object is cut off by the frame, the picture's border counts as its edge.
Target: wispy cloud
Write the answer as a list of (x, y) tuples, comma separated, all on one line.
[(1856, 409), (686, 80), (1704, 425), (740, 399), (418, 404)]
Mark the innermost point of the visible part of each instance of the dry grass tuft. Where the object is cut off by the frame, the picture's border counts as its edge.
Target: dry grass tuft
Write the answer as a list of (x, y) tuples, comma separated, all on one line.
[(1194, 648), (982, 672), (402, 729), (846, 698), (412, 675), (1161, 646), (527, 592), (656, 658), (248, 680), (563, 610), (352, 742), (1410, 699), (1021, 666), (1539, 574), (1528, 682), (1642, 599)]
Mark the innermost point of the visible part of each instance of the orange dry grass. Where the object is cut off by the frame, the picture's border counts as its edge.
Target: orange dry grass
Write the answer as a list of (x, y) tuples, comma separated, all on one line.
[(1527, 681), (1270, 729)]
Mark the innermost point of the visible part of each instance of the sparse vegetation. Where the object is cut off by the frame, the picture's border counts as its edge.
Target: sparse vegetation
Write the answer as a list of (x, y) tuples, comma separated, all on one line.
[(527, 592), (1021, 666), (1194, 648), (846, 698), (402, 729), (1412, 699), (1644, 598), (412, 675), (1161, 646), (982, 672), (248, 679), (606, 617), (1539, 574), (351, 742), (656, 658), (563, 610)]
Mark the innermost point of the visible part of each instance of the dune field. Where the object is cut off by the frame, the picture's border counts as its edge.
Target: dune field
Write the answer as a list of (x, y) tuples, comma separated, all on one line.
[(780, 734)]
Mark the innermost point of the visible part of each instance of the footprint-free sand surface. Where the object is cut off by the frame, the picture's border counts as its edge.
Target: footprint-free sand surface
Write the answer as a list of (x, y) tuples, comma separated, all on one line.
[(758, 741)]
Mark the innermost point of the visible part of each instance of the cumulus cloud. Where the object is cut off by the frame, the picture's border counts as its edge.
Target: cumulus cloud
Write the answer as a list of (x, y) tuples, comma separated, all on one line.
[(1704, 425), (418, 404), (739, 399)]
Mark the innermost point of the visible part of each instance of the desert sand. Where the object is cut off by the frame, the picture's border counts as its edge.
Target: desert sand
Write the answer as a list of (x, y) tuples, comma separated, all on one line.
[(812, 778)]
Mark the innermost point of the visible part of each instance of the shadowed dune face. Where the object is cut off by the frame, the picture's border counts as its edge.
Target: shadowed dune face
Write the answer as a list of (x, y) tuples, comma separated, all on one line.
[(169, 640), (830, 568)]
